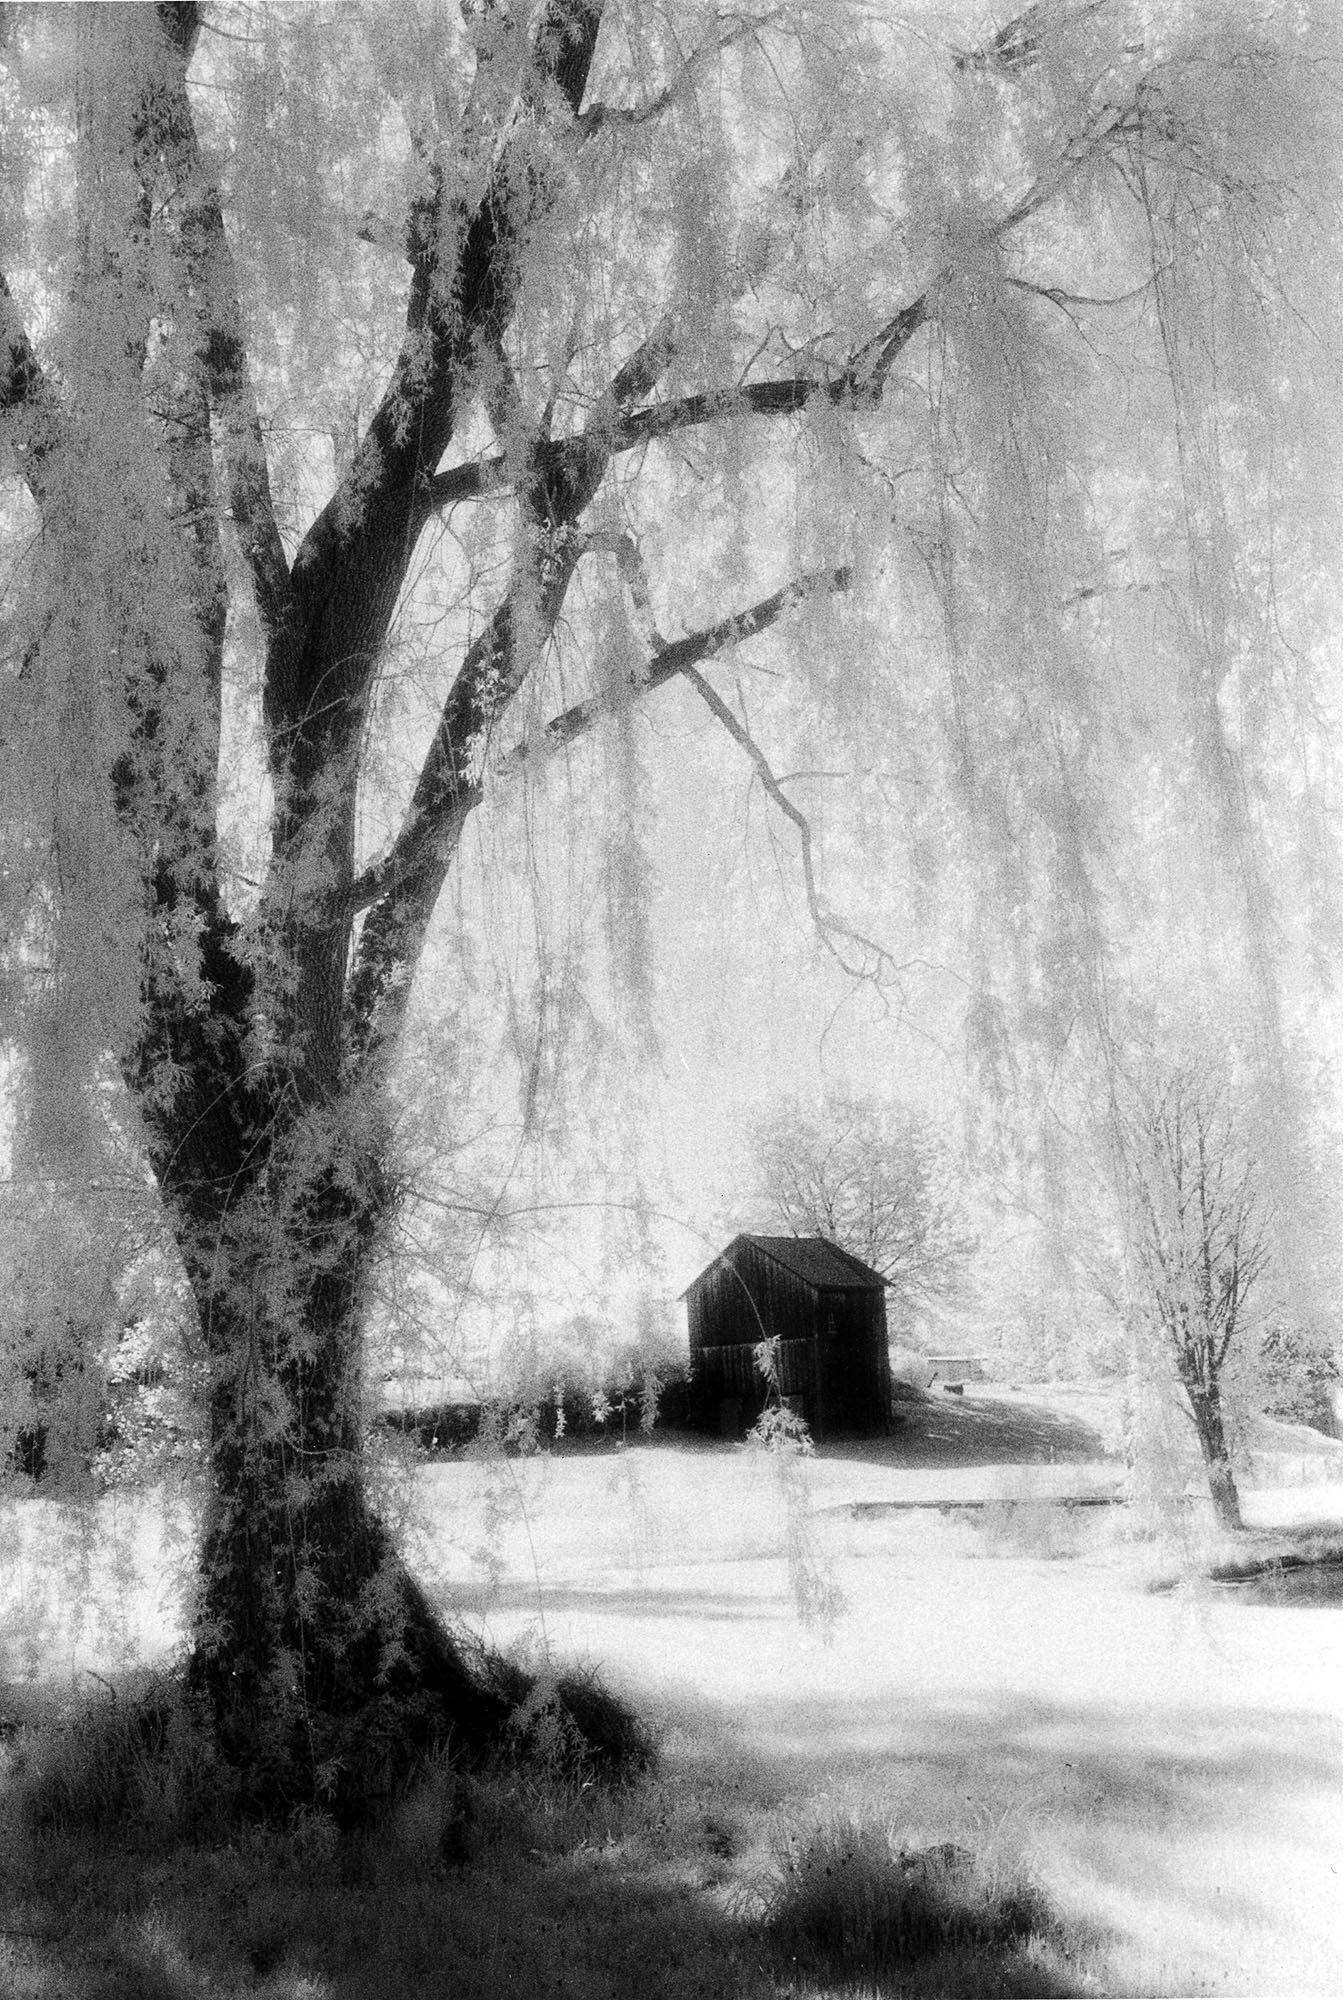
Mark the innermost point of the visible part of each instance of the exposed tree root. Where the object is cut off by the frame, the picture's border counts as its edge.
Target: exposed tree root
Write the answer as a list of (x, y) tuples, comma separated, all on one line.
[(369, 1714)]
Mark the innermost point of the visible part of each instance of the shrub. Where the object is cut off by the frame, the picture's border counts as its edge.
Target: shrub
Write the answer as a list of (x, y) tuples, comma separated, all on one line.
[(1298, 1369), (571, 1726), (517, 1428), (850, 1899)]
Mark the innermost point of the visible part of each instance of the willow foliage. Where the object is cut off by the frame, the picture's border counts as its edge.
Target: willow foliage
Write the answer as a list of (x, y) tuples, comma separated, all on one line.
[(404, 406)]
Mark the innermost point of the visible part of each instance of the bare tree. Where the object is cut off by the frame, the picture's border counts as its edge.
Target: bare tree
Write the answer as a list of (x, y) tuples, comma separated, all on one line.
[(875, 1179), (1202, 1246)]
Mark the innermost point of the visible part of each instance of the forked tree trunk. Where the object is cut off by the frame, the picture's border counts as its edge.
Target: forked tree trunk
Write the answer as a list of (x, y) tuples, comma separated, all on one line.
[(322, 1663)]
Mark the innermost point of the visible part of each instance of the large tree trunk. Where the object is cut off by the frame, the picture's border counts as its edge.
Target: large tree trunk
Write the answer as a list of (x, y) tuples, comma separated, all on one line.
[(322, 1662)]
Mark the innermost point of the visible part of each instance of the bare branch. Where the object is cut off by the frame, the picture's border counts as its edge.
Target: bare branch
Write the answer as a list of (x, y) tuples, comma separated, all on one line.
[(681, 658), (447, 790), (1057, 296), (233, 399), (638, 376), (614, 434), (563, 462), (828, 926)]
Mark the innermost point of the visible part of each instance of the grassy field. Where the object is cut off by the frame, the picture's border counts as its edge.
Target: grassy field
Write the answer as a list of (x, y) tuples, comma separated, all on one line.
[(1150, 1783)]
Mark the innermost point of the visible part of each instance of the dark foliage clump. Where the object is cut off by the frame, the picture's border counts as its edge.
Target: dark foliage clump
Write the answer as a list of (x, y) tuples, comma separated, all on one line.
[(516, 1429), (850, 1899), (153, 1760), (438, 1428), (139, 1760), (1299, 1372), (572, 1726)]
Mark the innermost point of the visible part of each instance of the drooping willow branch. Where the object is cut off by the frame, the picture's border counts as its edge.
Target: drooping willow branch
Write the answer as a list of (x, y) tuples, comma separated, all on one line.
[(597, 117), (617, 427)]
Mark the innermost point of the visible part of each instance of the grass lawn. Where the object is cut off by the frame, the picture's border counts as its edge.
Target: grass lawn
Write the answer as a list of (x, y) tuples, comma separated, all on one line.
[(1162, 1771)]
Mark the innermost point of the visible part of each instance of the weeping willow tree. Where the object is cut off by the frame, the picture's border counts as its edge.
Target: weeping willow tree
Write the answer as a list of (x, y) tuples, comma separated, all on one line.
[(401, 403)]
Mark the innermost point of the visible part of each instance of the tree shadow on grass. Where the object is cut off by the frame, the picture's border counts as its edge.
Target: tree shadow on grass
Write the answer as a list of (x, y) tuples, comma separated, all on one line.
[(1130, 1818), (1187, 1822), (649, 1898), (577, 1926), (945, 1432)]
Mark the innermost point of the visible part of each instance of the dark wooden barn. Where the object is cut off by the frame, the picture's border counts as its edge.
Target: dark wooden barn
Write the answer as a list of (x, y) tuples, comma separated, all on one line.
[(824, 1307)]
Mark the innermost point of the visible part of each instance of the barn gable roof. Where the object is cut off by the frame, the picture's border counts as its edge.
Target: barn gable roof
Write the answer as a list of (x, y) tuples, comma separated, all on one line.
[(817, 1261)]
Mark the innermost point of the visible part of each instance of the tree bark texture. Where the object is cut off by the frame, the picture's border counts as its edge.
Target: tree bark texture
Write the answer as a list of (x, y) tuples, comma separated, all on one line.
[(1206, 1402)]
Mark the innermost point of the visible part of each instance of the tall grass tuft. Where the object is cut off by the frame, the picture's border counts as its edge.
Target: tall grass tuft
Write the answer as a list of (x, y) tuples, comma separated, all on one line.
[(138, 1759), (850, 1899)]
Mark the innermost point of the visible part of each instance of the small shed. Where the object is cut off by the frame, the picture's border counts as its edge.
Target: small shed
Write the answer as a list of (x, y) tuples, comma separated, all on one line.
[(824, 1307), (957, 1369)]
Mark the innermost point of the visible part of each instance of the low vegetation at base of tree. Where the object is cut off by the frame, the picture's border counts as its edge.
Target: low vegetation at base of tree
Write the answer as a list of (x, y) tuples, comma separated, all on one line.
[(125, 1869), (145, 1761), (1302, 1566)]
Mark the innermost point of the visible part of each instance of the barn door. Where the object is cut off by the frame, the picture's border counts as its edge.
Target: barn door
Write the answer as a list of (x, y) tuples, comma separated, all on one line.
[(835, 1365)]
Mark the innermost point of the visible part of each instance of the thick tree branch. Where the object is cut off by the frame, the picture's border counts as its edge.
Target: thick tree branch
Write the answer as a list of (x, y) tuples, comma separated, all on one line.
[(454, 316), (618, 429), (170, 136), (681, 654), (400, 891), (233, 400), (860, 381), (350, 569), (634, 576)]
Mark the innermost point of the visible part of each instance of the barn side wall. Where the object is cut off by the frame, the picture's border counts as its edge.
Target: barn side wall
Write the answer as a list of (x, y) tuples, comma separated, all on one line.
[(749, 1300), (831, 1356)]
